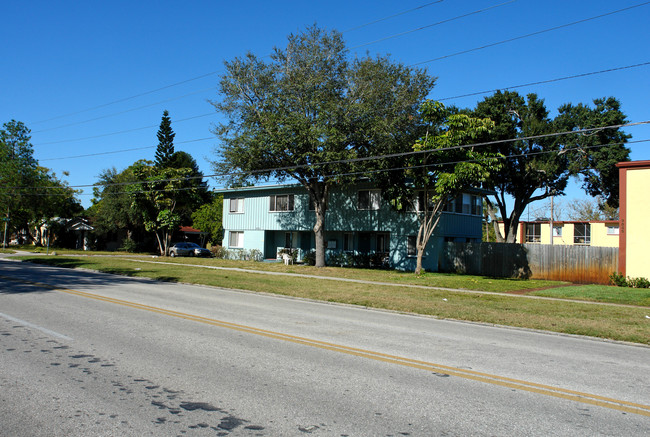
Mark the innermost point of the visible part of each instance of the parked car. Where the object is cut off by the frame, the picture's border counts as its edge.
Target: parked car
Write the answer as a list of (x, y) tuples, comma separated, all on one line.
[(188, 249)]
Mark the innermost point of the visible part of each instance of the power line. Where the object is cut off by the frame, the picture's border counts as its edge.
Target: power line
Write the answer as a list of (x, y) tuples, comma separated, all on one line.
[(212, 73), (392, 16), (125, 111), (433, 24), (541, 82), (123, 131), (364, 172), (121, 150), (208, 74), (504, 157), (377, 157), (129, 98), (386, 38), (539, 32)]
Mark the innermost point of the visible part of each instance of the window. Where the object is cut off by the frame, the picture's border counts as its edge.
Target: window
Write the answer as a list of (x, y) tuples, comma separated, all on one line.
[(288, 240), (418, 202), (331, 244), (237, 205), (467, 204), (477, 205), (533, 232), (382, 243), (280, 203), (411, 242), (612, 229), (368, 199), (557, 230), (236, 239), (582, 233), (458, 204), (348, 241)]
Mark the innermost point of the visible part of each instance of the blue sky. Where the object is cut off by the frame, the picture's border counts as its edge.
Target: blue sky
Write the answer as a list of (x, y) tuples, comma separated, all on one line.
[(81, 74)]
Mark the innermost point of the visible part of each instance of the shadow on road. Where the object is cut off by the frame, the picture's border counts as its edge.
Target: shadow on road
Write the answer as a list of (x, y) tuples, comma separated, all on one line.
[(41, 276)]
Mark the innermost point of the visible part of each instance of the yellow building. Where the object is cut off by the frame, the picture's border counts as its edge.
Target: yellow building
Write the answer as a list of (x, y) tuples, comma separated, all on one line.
[(634, 198), (569, 233)]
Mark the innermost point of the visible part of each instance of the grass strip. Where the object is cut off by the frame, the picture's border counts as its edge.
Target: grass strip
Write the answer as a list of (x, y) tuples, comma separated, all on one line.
[(604, 321)]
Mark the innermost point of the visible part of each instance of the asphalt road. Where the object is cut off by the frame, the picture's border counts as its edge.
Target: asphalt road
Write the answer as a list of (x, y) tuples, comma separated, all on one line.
[(86, 354)]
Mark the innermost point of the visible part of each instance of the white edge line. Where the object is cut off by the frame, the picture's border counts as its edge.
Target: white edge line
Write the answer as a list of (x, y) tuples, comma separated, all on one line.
[(40, 328)]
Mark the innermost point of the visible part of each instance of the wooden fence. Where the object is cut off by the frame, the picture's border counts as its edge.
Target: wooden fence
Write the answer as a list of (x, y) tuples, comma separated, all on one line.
[(580, 264)]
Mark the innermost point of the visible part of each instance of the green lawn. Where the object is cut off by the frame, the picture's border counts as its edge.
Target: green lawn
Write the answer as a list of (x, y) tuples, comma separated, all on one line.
[(606, 321), (600, 293)]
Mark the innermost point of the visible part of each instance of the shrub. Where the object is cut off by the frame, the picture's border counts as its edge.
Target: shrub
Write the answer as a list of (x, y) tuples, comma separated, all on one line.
[(221, 252), (218, 252), (617, 279), (257, 255), (621, 281), (129, 245), (638, 283), (341, 259), (310, 258)]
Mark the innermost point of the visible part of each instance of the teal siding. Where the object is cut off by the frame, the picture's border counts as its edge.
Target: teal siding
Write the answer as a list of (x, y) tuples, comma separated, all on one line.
[(256, 214), (266, 231)]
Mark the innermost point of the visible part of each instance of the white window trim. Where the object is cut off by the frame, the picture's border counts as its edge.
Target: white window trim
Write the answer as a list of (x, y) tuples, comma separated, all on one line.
[(374, 199), (291, 201), (239, 201), (240, 239)]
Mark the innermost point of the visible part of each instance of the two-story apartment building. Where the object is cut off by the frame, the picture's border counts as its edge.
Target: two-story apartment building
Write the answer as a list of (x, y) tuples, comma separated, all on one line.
[(358, 220)]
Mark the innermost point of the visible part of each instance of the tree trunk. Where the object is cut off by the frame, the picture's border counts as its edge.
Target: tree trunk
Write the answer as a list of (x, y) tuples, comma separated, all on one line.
[(319, 191), (512, 232), (418, 265), (491, 210), (429, 220), (160, 246), (319, 233)]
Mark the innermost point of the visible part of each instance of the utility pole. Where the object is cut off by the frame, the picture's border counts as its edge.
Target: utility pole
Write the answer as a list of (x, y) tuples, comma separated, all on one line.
[(6, 220), (551, 220)]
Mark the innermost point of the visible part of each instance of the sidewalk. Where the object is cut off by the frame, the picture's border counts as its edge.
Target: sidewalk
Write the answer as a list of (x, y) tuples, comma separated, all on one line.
[(387, 284)]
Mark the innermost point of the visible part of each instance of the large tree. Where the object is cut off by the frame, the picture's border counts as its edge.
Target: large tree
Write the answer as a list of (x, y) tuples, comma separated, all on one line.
[(539, 164), (598, 151), (162, 198), (30, 195), (440, 170), (111, 210), (165, 149), (305, 112)]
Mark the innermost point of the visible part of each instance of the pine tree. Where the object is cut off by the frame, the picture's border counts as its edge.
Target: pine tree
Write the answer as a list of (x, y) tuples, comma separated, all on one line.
[(166, 136)]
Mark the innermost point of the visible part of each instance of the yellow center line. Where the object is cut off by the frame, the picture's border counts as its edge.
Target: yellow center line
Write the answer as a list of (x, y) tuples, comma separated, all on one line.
[(558, 392)]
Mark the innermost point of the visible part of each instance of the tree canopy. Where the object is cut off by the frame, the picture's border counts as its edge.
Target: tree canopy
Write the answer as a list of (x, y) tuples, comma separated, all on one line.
[(539, 165), (209, 218), (598, 151), (30, 195), (165, 149), (441, 169), (309, 109)]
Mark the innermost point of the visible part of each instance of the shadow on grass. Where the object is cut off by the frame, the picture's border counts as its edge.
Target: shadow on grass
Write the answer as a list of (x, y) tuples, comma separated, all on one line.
[(167, 279), (57, 262)]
